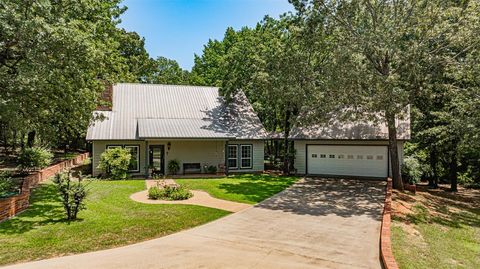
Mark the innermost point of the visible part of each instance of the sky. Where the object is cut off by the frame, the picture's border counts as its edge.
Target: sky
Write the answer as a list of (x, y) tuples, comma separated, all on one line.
[(177, 29)]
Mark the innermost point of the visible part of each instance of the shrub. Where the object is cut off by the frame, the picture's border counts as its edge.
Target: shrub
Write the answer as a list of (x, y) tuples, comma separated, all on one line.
[(173, 166), (411, 170), (72, 194), (169, 192), (154, 193), (210, 169), (8, 185), (34, 158), (114, 162)]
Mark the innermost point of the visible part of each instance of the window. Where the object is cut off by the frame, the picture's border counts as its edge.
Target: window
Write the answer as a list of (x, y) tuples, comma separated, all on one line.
[(134, 161), (314, 155), (360, 157), (331, 156), (113, 147), (134, 150), (232, 156), (349, 156), (246, 156), (341, 156), (369, 157), (379, 157), (323, 156)]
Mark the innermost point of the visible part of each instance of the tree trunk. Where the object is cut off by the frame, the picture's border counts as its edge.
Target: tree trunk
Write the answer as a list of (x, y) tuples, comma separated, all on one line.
[(453, 173), (433, 180), (22, 141), (286, 157), (392, 143), (31, 138)]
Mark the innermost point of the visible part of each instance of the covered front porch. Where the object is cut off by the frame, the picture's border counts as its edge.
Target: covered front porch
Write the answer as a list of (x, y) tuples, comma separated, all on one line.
[(194, 156)]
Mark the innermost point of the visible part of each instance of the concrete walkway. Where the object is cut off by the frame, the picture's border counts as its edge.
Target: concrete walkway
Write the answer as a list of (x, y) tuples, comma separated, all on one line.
[(317, 223), (199, 198)]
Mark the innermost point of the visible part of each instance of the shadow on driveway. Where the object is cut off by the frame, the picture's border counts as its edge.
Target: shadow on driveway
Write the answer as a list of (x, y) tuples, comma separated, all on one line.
[(325, 196)]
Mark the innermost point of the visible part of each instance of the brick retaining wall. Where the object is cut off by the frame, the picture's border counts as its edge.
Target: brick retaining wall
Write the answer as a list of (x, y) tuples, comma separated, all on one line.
[(386, 252), (13, 205)]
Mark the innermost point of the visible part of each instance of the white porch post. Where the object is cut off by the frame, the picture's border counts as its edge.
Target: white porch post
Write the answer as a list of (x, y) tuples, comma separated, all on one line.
[(146, 159)]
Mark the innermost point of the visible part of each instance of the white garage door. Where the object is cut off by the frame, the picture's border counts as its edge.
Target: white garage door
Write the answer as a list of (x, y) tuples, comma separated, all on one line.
[(347, 160)]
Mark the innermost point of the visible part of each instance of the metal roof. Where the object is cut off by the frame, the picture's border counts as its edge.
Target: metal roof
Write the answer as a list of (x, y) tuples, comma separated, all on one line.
[(168, 111), (354, 130)]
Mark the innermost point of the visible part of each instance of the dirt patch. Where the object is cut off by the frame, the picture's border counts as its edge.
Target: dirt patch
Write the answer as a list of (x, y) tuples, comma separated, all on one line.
[(439, 202)]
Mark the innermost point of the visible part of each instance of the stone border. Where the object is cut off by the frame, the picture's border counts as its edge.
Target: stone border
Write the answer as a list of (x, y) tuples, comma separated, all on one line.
[(13, 205), (386, 253)]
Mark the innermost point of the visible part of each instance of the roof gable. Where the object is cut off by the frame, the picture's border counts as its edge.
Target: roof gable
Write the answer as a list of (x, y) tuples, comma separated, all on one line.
[(169, 111)]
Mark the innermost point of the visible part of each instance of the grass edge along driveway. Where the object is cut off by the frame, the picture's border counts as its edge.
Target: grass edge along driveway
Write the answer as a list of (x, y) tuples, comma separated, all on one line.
[(112, 219), (243, 188)]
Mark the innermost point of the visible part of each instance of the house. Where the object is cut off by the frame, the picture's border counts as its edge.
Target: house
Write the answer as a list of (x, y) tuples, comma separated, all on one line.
[(191, 124), (342, 148)]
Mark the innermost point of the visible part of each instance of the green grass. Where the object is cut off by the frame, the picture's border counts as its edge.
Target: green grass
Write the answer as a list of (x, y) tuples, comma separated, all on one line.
[(111, 220), (440, 234), (247, 188)]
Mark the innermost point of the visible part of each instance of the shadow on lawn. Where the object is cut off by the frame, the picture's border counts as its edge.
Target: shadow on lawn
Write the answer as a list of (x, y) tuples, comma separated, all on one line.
[(444, 209), (325, 196), (258, 187), (45, 208)]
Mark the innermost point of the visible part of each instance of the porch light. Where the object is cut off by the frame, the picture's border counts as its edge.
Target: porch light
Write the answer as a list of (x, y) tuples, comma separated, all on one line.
[(169, 145)]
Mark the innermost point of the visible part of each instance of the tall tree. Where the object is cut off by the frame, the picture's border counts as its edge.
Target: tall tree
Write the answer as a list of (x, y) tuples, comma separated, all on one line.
[(385, 47), (276, 70), (55, 58)]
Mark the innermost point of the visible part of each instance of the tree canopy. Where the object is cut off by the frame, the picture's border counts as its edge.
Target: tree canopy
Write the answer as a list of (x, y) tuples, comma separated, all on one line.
[(56, 58)]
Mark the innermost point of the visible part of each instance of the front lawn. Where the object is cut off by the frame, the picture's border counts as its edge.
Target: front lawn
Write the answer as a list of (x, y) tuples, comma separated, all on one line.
[(247, 188), (111, 220), (437, 229)]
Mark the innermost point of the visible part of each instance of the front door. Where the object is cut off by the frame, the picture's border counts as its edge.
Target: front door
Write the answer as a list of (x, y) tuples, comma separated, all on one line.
[(157, 159)]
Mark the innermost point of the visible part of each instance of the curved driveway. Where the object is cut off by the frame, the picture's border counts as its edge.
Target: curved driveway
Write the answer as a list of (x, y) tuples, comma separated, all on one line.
[(317, 223)]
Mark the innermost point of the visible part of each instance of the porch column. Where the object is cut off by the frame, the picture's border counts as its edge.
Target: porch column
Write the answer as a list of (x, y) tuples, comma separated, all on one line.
[(146, 159), (226, 158)]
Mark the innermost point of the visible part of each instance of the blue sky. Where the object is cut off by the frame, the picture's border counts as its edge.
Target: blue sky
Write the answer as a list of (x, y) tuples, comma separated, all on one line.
[(177, 29)]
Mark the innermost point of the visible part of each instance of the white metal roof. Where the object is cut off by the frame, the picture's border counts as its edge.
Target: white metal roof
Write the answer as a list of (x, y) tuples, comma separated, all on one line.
[(355, 130), (168, 111)]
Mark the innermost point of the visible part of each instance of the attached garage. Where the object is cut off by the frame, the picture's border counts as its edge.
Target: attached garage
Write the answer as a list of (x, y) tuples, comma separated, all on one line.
[(347, 160)]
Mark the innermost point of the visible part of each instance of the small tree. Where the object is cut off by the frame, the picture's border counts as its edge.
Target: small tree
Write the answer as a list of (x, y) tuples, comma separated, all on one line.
[(114, 162), (72, 194), (31, 159)]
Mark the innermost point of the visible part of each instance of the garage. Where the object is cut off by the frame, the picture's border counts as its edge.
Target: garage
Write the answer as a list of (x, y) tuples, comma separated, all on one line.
[(347, 160)]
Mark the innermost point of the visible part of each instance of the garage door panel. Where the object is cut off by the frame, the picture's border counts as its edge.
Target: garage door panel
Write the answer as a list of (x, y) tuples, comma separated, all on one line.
[(349, 160)]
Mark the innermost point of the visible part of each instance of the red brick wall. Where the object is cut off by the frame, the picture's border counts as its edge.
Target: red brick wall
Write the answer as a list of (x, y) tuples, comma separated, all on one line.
[(385, 240), (13, 205), (107, 97)]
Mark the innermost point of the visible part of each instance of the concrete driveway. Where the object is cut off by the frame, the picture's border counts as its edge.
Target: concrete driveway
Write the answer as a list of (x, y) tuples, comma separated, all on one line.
[(317, 223)]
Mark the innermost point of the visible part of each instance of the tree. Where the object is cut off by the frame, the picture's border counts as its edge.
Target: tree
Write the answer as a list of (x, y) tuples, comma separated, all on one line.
[(276, 69), (55, 59), (168, 71), (208, 68), (386, 48)]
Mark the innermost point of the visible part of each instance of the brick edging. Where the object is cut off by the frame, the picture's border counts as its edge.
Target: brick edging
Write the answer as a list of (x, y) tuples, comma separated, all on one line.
[(386, 252), (13, 205)]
